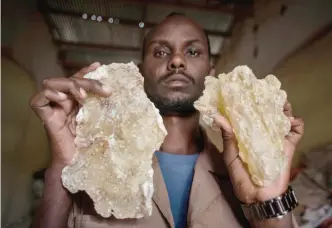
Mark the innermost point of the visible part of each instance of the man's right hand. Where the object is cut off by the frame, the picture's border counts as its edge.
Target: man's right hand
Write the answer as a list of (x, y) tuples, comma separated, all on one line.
[(57, 105)]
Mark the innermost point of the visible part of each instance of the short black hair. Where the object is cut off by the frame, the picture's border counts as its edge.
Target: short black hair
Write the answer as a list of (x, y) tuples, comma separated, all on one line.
[(171, 15)]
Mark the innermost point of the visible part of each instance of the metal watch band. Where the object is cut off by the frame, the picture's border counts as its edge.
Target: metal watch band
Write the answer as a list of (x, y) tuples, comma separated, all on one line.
[(274, 208)]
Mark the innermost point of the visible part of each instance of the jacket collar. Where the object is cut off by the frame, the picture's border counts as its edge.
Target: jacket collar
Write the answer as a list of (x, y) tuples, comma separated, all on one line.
[(208, 165), (205, 187), (160, 195), (210, 159)]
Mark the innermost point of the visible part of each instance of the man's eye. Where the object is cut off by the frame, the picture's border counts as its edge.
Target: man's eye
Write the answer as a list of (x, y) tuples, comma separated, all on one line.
[(160, 54), (193, 53)]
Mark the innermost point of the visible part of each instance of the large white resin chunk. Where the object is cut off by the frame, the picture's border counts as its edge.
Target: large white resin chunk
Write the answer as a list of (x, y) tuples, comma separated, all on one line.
[(255, 110), (115, 141)]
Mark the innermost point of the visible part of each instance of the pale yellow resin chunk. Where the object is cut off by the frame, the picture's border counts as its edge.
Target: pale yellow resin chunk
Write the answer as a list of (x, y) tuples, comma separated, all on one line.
[(255, 110), (115, 141)]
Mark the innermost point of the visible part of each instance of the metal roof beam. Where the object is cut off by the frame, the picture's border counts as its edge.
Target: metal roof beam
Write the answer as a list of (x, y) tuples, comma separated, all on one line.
[(226, 7), (68, 45), (126, 22)]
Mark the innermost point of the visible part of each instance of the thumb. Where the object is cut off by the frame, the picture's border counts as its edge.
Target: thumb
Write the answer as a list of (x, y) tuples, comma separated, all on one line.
[(231, 150)]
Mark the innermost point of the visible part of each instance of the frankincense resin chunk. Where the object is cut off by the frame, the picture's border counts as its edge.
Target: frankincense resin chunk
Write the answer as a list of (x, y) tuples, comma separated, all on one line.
[(254, 108), (115, 141)]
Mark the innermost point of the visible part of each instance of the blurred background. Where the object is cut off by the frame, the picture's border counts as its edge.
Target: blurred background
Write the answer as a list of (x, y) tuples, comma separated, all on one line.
[(55, 38)]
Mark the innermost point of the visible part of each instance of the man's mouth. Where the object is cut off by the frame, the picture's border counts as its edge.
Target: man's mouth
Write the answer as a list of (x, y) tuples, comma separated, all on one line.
[(177, 80)]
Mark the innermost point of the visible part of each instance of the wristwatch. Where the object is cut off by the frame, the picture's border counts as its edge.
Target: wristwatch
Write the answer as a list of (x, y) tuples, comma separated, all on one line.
[(274, 208)]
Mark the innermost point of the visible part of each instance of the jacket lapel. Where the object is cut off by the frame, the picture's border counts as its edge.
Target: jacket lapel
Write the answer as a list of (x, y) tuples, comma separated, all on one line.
[(204, 189), (211, 186), (160, 195)]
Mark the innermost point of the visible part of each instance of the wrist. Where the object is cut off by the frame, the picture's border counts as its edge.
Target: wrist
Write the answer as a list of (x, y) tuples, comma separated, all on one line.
[(271, 194), (261, 196)]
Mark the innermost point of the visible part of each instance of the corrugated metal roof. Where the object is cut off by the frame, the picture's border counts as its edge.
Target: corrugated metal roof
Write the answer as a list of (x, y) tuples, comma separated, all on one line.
[(209, 20), (120, 9), (104, 57), (66, 17), (80, 30)]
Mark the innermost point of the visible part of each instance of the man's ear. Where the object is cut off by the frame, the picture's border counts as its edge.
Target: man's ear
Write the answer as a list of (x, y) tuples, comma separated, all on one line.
[(212, 71)]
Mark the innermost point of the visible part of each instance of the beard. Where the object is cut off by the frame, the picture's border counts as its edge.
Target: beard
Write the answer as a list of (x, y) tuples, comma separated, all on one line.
[(170, 106), (175, 106)]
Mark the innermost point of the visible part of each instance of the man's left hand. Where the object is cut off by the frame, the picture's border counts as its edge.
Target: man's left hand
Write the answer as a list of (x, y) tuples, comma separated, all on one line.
[(244, 188)]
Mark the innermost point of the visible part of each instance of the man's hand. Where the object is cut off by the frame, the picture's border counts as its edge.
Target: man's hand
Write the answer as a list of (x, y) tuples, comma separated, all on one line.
[(57, 105), (244, 188)]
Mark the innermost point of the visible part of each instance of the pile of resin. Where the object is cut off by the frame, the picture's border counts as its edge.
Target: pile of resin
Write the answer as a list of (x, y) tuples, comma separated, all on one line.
[(115, 141), (255, 110)]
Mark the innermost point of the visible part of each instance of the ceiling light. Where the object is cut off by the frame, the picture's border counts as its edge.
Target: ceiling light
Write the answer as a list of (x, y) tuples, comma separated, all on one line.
[(141, 24), (84, 16), (93, 17), (110, 20), (99, 18)]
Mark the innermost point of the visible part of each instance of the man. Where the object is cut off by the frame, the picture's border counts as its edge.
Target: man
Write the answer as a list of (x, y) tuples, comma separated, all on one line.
[(195, 185)]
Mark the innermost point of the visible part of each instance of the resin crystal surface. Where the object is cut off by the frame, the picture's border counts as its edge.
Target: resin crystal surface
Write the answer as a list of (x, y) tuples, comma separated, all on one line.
[(254, 108), (115, 141)]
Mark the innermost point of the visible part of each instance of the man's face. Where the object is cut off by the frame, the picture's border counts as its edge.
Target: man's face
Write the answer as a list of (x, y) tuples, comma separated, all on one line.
[(175, 64)]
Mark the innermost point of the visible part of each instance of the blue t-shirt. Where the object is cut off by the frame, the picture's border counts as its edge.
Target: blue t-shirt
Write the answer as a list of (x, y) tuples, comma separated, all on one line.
[(178, 172)]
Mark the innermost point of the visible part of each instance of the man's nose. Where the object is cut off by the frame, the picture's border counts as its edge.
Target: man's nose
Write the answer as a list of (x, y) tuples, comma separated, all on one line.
[(177, 62)]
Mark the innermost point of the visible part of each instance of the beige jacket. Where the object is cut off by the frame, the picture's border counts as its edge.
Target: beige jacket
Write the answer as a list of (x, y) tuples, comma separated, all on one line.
[(212, 202)]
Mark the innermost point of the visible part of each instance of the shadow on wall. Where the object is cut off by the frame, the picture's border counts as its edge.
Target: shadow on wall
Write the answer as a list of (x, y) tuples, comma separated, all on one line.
[(307, 78), (24, 148)]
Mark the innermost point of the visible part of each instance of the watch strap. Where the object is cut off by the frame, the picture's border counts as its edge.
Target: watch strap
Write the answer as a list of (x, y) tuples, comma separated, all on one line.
[(274, 208)]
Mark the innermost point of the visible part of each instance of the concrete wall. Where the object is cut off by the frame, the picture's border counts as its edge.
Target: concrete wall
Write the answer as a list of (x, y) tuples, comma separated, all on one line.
[(24, 147), (277, 36), (307, 78), (27, 35), (34, 50)]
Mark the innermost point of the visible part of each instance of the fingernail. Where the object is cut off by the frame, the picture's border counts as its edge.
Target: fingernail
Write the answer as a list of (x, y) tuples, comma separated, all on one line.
[(83, 93), (62, 95), (106, 89), (96, 64), (291, 118)]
